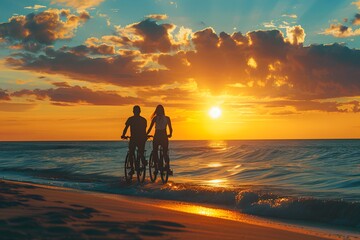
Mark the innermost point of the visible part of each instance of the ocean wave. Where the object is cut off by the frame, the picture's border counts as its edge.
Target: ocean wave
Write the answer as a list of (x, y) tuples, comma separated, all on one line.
[(337, 212), (255, 200), (61, 174), (259, 202)]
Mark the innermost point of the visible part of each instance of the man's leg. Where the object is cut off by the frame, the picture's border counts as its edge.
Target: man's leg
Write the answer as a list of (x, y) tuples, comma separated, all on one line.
[(141, 151)]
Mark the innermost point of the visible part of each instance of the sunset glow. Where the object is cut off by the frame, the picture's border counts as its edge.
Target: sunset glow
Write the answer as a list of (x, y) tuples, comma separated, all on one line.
[(73, 70)]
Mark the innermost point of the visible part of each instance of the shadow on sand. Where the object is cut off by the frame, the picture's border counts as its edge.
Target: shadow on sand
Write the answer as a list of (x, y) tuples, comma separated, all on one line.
[(64, 221)]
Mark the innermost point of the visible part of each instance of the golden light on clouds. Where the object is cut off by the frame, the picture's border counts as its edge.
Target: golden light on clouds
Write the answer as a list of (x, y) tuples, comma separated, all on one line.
[(252, 63)]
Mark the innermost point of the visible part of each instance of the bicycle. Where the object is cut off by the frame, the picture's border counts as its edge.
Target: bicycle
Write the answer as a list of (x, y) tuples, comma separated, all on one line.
[(155, 167), (140, 165)]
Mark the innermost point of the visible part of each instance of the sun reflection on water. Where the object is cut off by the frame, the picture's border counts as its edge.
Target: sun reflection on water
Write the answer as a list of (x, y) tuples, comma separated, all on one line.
[(200, 210), (215, 165), (218, 145)]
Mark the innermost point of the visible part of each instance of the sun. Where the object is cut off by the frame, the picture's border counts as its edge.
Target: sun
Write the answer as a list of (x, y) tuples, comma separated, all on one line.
[(215, 112)]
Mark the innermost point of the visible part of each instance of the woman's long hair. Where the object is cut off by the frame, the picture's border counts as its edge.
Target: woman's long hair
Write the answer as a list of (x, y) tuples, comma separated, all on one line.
[(159, 111)]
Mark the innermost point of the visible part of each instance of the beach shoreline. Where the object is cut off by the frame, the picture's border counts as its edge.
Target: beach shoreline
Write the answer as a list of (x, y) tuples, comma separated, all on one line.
[(32, 211)]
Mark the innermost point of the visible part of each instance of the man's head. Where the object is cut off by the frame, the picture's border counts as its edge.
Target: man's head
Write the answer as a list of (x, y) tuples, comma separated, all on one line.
[(136, 110)]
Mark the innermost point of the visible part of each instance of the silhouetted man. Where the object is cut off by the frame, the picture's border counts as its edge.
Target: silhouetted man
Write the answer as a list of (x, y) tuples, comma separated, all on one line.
[(138, 134)]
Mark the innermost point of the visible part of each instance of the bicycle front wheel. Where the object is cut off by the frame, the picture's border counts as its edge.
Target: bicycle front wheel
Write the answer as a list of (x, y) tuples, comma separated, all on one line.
[(127, 169), (141, 169), (152, 168)]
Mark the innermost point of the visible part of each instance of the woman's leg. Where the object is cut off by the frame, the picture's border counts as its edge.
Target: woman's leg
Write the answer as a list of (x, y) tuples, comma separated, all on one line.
[(165, 144), (155, 150)]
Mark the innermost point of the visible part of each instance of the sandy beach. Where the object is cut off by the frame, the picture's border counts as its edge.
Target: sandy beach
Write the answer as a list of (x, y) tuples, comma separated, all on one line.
[(30, 211)]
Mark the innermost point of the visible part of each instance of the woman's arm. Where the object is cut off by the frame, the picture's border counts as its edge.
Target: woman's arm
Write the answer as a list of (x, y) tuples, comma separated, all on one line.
[(151, 126), (170, 127)]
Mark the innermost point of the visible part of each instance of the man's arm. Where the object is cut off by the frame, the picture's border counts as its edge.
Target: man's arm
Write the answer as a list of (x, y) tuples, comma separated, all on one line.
[(125, 129), (170, 128)]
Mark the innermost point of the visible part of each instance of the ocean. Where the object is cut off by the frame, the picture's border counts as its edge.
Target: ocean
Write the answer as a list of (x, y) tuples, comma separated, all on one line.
[(305, 180)]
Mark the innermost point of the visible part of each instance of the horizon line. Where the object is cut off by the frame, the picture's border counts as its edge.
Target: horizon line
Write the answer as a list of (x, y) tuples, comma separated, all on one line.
[(119, 140)]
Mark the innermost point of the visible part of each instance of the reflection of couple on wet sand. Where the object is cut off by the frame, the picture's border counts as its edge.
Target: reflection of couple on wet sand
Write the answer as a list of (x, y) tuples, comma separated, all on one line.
[(139, 135)]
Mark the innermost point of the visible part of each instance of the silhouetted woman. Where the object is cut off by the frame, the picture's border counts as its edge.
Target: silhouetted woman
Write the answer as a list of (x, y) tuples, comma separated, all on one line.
[(161, 137)]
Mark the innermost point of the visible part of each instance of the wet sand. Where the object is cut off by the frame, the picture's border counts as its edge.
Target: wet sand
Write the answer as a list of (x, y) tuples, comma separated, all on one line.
[(30, 211)]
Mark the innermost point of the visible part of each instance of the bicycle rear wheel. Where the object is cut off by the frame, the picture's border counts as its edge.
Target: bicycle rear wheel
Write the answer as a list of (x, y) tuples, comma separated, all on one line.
[(164, 174), (141, 170), (127, 169), (152, 168)]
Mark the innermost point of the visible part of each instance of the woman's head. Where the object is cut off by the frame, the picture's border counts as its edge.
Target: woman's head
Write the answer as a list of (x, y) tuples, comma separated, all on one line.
[(159, 111)]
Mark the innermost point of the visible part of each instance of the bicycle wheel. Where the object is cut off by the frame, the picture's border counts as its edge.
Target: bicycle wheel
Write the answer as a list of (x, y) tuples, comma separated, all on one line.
[(152, 168), (127, 168), (141, 170), (164, 174)]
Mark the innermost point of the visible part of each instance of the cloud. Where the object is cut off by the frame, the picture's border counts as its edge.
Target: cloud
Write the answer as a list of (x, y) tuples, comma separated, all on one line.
[(76, 94), (282, 69), (294, 16), (124, 69), (309, 105), (81, 50), (261, 64), (35, 7), (269, 24), (78, 4), (157, 16), (356, 20), (42, 28), (295, 35), (148, 36), (357, 3), (61, 84), (341, 31), (15, 107), (4, 95), (119, 69)]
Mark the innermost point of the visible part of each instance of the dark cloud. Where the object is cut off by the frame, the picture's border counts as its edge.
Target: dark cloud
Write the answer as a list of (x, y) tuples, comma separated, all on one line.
[(4, 95), (83, 50), (356, 20), (148, 36), (61, 84), (120, 70), (77, 94), (42, 28), (268, 66), (264, 64)]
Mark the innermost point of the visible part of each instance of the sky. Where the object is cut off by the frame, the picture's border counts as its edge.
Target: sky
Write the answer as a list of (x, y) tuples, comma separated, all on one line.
[(277, 69)]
